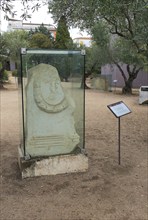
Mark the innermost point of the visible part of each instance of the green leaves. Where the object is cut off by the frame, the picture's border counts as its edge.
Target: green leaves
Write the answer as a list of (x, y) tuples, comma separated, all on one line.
[(63, 39), (14, 41), (39, 40), (28, 7), (126, 19)]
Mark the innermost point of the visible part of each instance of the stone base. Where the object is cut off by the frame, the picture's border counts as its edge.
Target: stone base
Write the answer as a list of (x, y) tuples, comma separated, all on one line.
[(52, 165)]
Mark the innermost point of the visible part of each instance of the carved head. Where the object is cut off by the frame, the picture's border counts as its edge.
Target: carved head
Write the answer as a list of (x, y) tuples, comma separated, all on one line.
[(47, 89)]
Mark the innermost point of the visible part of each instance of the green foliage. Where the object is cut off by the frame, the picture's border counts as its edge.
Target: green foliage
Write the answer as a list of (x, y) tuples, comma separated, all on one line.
[(118, 51), (43, 30), (15, 73), (5, 76), (101, 34), (3, 60), (126, 19), (3, 49), (10, 43), (95, 58), (39, 40), (99, 53), (15, 40), (123, 51), (28, 7), (63, 39)]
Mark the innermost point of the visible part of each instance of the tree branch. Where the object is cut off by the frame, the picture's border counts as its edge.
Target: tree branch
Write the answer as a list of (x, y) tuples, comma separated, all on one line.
[(129, 28), (121, 70), (118, 33)]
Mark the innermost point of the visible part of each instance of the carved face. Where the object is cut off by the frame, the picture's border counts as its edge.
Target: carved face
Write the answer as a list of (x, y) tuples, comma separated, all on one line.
[(48, 92), (51, 90)]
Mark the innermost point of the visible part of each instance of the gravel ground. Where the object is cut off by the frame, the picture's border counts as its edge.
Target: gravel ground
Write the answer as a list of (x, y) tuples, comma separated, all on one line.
[(106, 191)]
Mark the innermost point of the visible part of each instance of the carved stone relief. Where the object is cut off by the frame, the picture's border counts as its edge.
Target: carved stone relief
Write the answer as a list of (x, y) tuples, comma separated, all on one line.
[(50, 126), (48, 93)]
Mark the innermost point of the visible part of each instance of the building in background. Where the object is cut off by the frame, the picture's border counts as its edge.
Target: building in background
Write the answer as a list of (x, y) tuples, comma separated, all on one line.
[(114, 77), (14, 24), (86, 41)]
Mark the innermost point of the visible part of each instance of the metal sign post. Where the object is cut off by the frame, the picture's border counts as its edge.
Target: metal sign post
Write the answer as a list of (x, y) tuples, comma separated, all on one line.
[(119, 160), (119, 109)]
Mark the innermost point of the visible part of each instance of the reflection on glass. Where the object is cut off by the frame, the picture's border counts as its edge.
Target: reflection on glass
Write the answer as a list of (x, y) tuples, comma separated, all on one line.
[(55, 87)]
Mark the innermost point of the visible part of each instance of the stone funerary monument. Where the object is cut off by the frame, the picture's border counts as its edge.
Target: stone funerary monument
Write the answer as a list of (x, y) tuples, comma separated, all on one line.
[(49, 126)]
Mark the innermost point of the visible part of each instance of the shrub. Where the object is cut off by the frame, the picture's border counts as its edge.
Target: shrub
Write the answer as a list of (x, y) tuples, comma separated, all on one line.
[(14, 73), (5, 76)]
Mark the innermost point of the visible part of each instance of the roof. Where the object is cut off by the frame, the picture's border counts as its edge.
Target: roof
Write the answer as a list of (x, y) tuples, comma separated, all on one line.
[(83, 38), (30, 23), (38, 24)]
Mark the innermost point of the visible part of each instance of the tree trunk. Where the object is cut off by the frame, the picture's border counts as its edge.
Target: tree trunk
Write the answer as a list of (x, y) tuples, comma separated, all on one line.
[(127, 89), (1, 78), (83, 82), (1, 86), (132, 72)]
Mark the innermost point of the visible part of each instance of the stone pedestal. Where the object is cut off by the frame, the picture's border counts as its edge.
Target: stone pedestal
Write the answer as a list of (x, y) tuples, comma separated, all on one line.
[(52, 165)]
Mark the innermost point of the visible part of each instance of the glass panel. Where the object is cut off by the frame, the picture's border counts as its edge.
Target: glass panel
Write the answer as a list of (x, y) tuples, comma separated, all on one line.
[(35, 80)]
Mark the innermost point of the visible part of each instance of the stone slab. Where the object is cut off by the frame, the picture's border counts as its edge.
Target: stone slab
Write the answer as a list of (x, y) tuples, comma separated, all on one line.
[(49, 114), (53, 165), (99, 83)]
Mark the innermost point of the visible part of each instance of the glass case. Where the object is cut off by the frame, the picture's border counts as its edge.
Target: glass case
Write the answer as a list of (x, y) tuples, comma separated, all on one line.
[(52, 98)]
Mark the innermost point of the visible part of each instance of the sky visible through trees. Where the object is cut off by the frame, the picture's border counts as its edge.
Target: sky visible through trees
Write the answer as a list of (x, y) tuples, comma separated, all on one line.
[(40, 16)]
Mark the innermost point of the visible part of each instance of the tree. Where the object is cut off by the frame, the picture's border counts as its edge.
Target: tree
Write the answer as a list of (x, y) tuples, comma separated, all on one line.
[(124, 53), (39, 40), (14, 40), (118, 51), (3, 59), (95, 58), (10, 44), (28, 7), (63, 39), (42, 30), (125, 18)]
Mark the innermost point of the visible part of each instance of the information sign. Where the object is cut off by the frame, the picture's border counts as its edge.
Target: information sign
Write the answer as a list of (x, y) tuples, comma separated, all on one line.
[(119, 109)]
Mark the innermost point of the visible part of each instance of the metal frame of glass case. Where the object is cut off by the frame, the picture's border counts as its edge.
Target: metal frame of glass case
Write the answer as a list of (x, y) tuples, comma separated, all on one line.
[(71, 68)]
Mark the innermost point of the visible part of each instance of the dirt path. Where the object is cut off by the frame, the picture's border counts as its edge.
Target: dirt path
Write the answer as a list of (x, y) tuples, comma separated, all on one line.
[(106, 192)]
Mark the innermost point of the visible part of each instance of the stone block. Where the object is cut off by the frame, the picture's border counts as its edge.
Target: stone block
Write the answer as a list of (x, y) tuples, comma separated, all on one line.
[(52, 165)]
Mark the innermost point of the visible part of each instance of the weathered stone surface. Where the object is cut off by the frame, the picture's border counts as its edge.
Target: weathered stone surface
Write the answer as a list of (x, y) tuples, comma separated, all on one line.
[(49, 120), (99, 83), (53, 165)]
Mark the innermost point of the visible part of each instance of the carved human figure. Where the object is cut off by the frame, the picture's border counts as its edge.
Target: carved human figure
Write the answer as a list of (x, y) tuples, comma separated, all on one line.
[(50, 126), (48, 92)]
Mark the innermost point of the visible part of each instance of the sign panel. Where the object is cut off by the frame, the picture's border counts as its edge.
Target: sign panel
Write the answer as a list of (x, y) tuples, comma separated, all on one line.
[(119, 109)]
